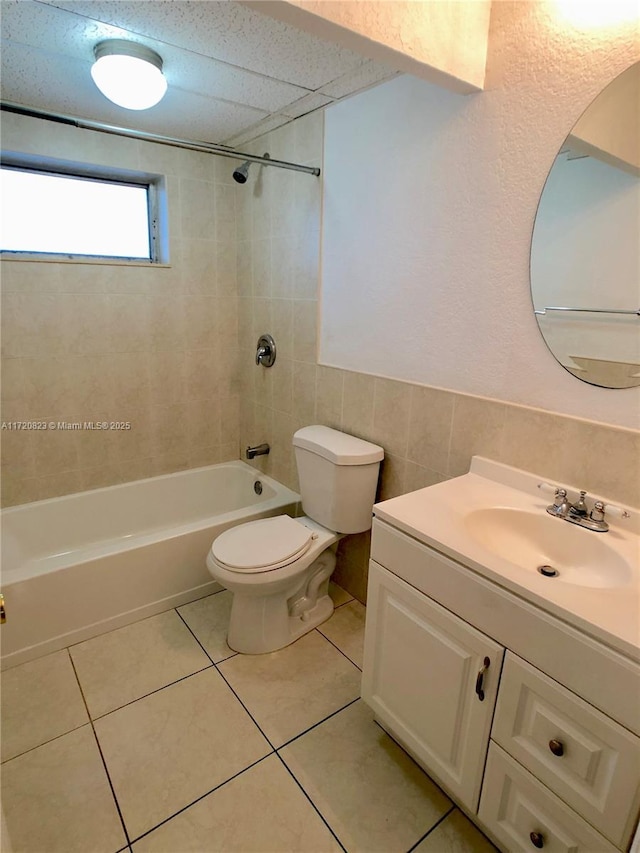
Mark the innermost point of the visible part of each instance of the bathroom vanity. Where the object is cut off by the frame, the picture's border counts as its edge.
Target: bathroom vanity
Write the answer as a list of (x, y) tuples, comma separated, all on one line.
[(519, 693)]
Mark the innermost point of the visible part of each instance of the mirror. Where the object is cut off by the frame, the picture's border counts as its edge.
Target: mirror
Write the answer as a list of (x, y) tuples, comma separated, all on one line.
[(585, 252)]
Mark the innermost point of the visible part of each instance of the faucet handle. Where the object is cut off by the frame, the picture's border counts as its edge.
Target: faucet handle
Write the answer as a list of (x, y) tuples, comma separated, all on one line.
[(596, 519), (265, 351), (556, 491), (547, 487), (612, 509), (560, 506), (560, 497)]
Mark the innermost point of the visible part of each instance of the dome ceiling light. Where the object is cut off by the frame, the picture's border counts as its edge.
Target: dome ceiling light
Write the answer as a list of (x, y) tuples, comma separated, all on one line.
[(128, 73)]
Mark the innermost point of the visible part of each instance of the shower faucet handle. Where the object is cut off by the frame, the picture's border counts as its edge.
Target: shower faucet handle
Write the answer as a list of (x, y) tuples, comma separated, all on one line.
[(266, 351)]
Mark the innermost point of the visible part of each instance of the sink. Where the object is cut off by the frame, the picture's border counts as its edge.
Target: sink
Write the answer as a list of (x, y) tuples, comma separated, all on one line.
[(567, 553), (493, 522)]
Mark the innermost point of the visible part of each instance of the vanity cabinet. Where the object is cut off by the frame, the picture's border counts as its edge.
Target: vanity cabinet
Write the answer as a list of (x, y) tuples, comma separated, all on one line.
[(534, 763)]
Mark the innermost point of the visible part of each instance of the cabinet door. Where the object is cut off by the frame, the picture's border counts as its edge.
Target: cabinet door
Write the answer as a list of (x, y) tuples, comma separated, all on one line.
[(421, 671)]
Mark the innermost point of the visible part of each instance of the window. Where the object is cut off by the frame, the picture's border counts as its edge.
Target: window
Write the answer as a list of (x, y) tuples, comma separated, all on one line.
[(77, 215)]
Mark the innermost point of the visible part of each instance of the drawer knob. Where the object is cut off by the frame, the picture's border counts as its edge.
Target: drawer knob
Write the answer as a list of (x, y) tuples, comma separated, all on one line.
[(556, 747), (537, 839)]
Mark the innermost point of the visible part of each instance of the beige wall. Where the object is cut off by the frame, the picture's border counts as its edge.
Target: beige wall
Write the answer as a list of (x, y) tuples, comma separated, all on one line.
[(435, 222), (156, 346), (444, 42), (278, 253)]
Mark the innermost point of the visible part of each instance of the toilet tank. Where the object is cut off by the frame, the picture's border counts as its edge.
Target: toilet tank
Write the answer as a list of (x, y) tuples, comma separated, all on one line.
[(338, 474)]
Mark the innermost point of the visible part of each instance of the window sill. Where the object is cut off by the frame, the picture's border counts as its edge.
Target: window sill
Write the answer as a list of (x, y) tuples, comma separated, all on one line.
[(115, 262)]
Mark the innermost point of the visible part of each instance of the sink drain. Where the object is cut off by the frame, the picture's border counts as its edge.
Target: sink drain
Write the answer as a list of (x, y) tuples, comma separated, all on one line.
[(548, 571)]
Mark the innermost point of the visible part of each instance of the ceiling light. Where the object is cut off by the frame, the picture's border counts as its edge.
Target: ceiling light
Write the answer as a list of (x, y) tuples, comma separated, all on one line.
[(128, 73)]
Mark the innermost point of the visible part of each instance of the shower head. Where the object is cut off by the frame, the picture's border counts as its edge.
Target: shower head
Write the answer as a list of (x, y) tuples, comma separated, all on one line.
[(242, 172)]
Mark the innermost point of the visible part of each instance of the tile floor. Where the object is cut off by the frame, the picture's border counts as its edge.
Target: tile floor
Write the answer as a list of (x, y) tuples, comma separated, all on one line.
[(157, 737)]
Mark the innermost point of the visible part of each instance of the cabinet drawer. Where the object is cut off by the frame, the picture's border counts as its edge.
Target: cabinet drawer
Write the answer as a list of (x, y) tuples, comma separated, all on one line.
[(591, 762), (523, 815)]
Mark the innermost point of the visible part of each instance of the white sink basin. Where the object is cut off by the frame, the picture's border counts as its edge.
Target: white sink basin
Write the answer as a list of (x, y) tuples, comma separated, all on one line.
[(531, 541)]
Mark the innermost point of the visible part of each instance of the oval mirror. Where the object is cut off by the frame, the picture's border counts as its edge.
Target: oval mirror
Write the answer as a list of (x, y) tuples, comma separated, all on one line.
[(585, 252)]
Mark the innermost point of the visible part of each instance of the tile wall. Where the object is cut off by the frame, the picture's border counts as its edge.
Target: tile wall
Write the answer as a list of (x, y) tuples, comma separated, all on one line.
[(428, 434), (156, 346), (278, 216)]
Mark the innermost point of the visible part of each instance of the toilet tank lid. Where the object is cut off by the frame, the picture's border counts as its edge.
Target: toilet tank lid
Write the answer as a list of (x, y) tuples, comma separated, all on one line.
[(338, 447)]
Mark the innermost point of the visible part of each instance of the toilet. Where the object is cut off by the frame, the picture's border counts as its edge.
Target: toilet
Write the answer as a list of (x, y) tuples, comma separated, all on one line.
[(278, 569)]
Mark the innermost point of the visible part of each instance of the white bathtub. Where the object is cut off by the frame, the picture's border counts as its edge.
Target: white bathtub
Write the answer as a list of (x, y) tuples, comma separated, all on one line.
[(77, 566)]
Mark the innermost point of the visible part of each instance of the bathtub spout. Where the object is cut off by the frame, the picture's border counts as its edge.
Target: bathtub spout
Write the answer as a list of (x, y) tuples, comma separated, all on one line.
[(258, 450)]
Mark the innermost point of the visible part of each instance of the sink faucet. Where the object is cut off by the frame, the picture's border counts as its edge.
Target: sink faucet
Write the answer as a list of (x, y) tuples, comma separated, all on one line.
[(578, 513), (579, 508), (258, 450)]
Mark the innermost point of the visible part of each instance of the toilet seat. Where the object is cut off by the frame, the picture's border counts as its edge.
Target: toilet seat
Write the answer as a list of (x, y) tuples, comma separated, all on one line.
[(263, 545)]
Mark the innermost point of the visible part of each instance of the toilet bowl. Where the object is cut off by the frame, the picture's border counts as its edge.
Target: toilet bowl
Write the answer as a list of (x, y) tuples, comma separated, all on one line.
[(278, 569)]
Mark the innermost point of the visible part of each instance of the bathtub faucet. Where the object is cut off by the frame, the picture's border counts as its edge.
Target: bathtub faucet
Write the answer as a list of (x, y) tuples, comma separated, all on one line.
[(258, 450)]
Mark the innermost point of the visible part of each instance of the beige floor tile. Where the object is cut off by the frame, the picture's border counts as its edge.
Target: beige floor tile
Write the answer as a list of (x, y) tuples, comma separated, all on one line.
[(124, 665), (56, 799), (168, 749), (292, 689), (260, 811), (374, 797), (208, 618), (456, 834), (40, 701), (338, 595), (345, 629)]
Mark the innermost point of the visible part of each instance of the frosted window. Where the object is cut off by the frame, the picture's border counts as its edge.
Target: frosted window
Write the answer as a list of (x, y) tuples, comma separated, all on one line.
[(68, 215)]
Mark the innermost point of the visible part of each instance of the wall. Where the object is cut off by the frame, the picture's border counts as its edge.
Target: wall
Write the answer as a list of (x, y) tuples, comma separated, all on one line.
[(444, 42), (430, 200), (428, 434), (156, 346), (278, 254)]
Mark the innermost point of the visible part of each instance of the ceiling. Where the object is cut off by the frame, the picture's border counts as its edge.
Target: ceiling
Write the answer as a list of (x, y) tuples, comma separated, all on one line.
[(233, 72)]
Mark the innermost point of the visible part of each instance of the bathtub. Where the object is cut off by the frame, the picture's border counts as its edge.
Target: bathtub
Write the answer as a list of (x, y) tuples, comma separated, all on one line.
[(77, 566)]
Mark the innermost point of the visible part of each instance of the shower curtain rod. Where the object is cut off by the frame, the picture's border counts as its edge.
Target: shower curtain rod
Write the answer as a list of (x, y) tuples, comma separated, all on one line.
[(207, 147)]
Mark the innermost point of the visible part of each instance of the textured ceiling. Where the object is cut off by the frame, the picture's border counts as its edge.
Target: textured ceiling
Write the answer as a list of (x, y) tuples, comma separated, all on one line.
[(233, 72)]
